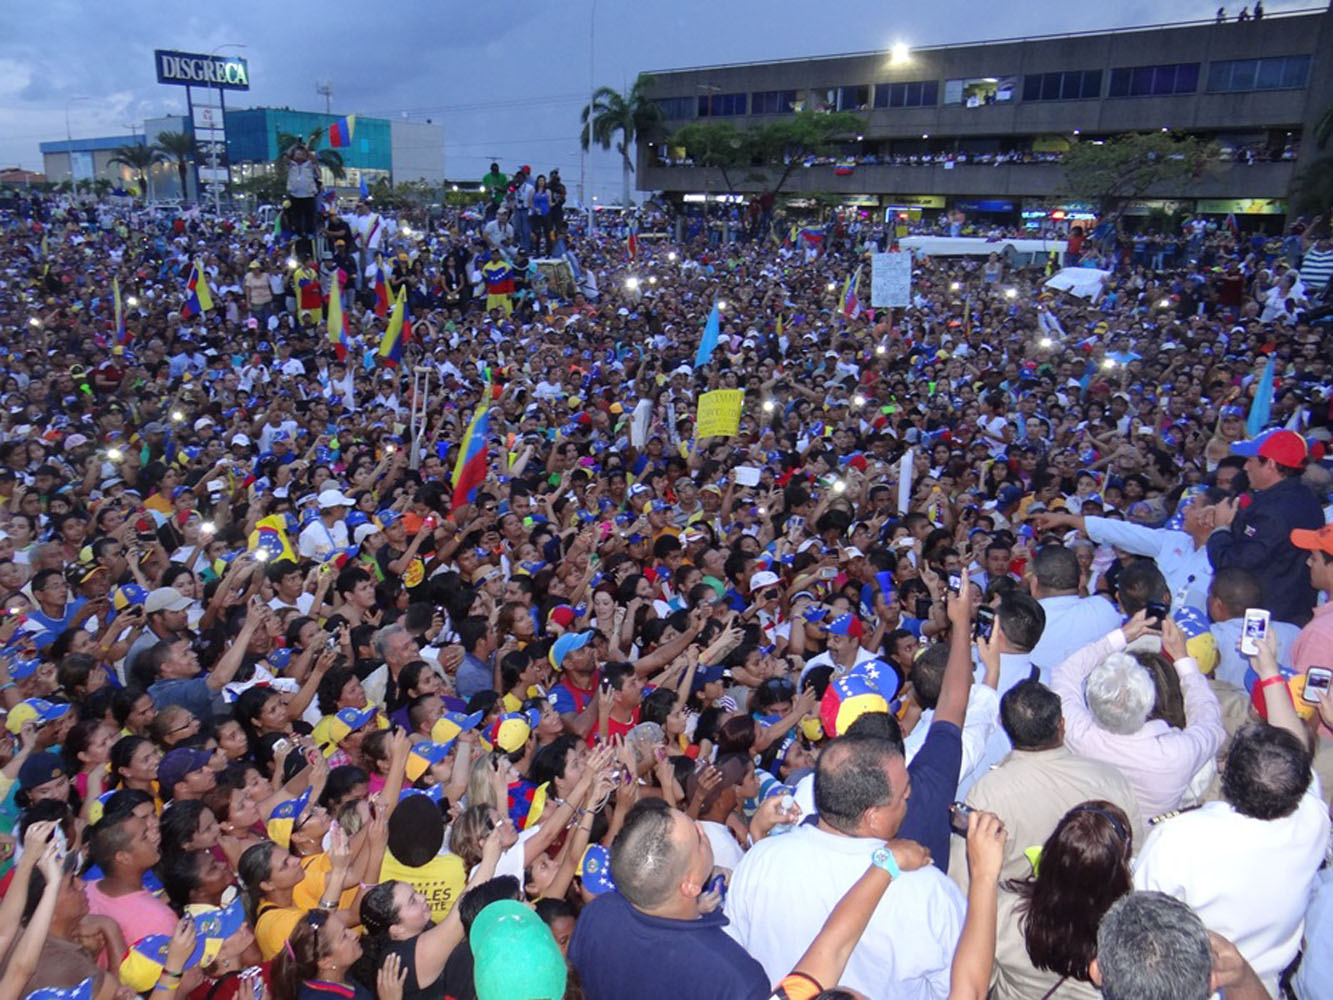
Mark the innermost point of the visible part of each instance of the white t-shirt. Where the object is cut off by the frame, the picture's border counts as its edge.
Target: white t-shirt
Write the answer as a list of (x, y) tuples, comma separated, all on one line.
[(726, 852), (318, 539), (786, 886), (1249, 880)]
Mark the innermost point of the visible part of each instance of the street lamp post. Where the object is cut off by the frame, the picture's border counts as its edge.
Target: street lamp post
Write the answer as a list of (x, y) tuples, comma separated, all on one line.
[(584, 178), (212, 145)]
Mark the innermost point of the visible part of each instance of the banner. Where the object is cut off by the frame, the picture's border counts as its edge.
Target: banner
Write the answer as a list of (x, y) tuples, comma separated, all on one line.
[(719, 413), (891, 280)]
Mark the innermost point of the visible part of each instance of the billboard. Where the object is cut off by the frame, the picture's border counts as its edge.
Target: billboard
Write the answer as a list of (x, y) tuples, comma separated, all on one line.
[(193, 69)]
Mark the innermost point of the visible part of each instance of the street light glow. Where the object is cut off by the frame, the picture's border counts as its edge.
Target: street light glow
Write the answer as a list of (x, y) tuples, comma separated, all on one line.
[(899, 53)]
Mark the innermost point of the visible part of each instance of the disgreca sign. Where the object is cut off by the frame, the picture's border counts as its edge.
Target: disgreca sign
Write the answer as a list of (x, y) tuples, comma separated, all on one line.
[(193, 69)]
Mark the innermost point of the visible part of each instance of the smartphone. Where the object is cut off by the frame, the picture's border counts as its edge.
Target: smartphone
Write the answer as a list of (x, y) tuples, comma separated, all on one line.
[(958, 814), (281, 746), (254, 975), (1317, 682), (955, 583), (1254, 629), (829, 573), (985, 624), (1156, 613)]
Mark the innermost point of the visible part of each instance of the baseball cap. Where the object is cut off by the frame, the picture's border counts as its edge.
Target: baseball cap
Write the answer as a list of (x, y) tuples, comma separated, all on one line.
[(334, 498), (846, 699), (39, 769), (178, 763), (345, 722), (1314, 539), (39, 710), (127, 594), (764, 578), (424, 755), (565, 645), (845, 625), (1280, 446), (21, 670), (507, 928), (364, 531), (165, 599), (241, 439), (595, 870), (511, 730), (708, 675), (213, 925), (450, 724), (282, 819), (880, 675), (562, 615), (1008, 494)]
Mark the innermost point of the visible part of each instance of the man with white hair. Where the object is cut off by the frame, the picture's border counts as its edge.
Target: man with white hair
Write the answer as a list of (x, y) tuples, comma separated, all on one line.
[(1108, 697)]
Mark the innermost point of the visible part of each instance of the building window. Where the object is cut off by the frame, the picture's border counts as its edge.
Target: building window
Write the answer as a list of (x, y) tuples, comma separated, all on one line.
[(921, 94), (853, 98), (1232, 76), (772, 102), (676, 107), (1071, 85), (1154, 81), (721, 105)]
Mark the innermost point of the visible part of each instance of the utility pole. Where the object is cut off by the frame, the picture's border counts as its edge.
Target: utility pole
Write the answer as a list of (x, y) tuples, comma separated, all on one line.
[(325, 87)]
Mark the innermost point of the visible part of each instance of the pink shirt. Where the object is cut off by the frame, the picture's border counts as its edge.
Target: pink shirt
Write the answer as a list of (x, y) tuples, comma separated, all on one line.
[(1158, 760), (138, 914), (1312, 648)]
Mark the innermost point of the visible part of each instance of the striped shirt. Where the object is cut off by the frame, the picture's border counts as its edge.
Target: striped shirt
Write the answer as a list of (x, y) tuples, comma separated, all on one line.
[(1317, 268)]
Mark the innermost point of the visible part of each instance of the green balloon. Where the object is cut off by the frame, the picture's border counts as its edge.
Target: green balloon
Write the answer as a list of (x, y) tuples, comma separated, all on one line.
[(514, 955)]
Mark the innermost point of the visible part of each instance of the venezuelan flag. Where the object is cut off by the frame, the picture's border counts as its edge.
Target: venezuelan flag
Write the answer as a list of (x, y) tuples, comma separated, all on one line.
[(391, 344), (198, 299), (270, 534), (381, 287), (341, 131), (851, 306), (337, 326), (121, 336), (470, 469)]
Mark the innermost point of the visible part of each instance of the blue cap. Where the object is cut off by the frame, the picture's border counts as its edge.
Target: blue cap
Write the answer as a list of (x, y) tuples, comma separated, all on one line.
[(595, 870)]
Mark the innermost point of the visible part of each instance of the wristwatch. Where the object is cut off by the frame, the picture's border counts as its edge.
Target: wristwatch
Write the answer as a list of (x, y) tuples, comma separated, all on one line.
[(883, 858)]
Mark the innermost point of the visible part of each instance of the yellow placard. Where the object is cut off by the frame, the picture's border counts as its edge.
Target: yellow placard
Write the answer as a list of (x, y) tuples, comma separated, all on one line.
[(719, 413)]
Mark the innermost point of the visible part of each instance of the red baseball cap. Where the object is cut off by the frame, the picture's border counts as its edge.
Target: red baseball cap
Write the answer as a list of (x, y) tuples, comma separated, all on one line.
[(1283, 447)]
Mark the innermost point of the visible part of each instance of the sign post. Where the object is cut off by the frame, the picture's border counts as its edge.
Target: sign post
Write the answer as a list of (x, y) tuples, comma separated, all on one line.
[(207, 121)]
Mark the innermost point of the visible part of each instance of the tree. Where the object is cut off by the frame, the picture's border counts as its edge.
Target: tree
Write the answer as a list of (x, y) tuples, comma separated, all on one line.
[(1119, 171), (178, 147), (1323, 129), (719, 145), (329, 159), (791, 140), (140, 159), (632, 116), (1312, 188)]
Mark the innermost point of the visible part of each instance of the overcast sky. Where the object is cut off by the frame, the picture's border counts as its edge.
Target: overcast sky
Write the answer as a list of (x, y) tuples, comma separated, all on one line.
[(507, 79)]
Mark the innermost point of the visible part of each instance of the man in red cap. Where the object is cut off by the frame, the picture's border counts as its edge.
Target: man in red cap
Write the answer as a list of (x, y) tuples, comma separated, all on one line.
[(1253, 531)]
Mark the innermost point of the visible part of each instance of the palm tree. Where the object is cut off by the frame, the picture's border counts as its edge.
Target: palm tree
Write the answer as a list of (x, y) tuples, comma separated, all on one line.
[(632, 116), (177, 147), (140, 159), (1312, 188), (1323, 129), (329, 159)]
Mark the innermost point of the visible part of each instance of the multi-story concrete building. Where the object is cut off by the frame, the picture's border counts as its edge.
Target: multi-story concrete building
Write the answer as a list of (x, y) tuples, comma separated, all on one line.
[(380, 147), (983, 126)]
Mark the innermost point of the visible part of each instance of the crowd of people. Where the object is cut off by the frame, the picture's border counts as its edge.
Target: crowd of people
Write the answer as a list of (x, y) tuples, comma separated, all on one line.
[(376, 624)]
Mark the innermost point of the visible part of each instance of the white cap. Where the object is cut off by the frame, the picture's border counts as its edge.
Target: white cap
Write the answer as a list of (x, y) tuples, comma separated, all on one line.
[(334, 498), (239, 438), (364, 531), (203, 422), (763, 578)]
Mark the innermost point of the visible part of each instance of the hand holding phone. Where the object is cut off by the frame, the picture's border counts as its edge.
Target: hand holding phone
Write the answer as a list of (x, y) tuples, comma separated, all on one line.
[(1254, 628)]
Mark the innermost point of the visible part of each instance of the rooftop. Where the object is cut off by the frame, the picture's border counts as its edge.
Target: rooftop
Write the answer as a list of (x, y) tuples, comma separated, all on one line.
[(1130, 29)]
